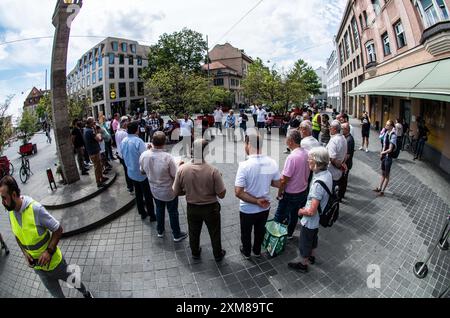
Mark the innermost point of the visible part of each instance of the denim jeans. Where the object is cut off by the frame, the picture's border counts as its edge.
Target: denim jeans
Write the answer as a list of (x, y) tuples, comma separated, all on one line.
[(288, 209), (172, 208), (420, 146)]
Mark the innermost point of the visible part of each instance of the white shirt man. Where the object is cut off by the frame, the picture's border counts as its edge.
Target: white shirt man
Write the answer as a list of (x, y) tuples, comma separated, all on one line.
[(309, 143), (337, 149), (261, 115), (186, 127), (218, 116)]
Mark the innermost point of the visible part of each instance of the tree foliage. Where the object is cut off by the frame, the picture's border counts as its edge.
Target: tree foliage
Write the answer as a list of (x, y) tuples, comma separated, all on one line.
[(185, 49), (44, 108), (6, 129), (279, 90), (28, 125)]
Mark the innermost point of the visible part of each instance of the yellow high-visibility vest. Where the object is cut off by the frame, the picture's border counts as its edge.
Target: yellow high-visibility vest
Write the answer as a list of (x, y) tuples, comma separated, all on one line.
[(315, 123), (29, 238)]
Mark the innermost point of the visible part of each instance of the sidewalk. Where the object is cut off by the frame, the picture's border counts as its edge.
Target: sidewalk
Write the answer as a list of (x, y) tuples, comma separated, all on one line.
[(126, 258)]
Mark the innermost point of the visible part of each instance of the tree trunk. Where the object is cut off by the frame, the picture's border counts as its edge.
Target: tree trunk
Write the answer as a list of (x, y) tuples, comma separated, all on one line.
[(59, 93)]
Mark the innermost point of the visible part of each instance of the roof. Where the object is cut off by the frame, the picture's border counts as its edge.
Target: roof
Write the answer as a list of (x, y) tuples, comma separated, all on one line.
[(426, 81), (216, 66)]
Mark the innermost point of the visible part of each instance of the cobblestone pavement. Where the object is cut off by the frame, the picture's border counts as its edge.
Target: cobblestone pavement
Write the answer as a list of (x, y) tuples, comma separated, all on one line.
[(126, 258)]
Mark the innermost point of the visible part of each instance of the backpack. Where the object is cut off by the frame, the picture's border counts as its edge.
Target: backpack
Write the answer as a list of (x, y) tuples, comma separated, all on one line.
[(331, 212), (394, 154)]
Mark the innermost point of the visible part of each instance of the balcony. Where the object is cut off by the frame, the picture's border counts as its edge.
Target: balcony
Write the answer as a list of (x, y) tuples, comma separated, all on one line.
[(436, 39), (371, 68)]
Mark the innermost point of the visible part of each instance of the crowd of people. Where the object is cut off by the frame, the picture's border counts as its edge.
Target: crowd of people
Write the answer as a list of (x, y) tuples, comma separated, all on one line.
[(320, 158)]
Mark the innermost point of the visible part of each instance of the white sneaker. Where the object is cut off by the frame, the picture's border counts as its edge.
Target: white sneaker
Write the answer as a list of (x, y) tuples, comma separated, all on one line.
[(361, 148), (182, 236), (367, 150), (161, 235)]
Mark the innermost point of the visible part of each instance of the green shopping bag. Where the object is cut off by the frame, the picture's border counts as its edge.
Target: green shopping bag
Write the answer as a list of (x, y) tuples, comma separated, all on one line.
[(275, 238)]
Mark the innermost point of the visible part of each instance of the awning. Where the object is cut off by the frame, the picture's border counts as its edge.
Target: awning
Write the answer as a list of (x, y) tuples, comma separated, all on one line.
[(427, 81)]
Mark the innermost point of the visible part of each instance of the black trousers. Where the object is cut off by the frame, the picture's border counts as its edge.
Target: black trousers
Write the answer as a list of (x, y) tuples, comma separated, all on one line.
[(210, 215), (130, 185), (343, 184), (142, 190), (248, 222)]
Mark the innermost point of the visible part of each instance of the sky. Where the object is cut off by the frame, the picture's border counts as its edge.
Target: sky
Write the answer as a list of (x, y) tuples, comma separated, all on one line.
[(278, 31)]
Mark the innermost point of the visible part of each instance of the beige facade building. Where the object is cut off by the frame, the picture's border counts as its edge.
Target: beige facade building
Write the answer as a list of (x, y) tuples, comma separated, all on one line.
[(33, 99), (109, 75), (229, 65), (405, 49)]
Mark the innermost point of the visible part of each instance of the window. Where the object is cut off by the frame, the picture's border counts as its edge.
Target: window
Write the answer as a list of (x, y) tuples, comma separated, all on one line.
[(371, 55), (100, 61), (121, 73), (400, 33), (355, 33), (88, 68), (432, 11), (111, 58), (94, 78), (376, 6), (232, 82), (361, 22), (124, 47), (100, 75), (366, 21), (386, 44), (133, 48), (121, 59), (88, 81), (341, 53), (358, 64), (347, 45), (139, 73), (132, 89), (111, 72), (218, 82), (139, 61), (115, 46), (94, 65), (131, 72), (130, 60), (122, 90), (140, 87)]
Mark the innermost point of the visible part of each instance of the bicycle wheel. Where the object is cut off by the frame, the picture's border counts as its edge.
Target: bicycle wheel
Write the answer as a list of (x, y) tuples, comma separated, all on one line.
[(11, 169), (27, 164), (23, 174)]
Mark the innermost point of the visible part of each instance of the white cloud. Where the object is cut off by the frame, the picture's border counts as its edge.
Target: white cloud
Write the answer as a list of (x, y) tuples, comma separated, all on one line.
[(280, 31)]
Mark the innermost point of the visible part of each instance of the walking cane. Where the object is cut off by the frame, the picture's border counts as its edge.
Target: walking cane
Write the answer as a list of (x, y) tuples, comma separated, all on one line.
[(421, 268)]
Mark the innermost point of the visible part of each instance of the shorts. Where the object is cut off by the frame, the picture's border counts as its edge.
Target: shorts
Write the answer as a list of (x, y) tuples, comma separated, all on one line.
[(365, 134), (308, 241), (386, 164), (261, 125)]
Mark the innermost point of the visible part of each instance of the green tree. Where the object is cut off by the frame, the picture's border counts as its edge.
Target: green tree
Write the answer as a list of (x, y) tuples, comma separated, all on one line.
[(174, 91), (305, 73), (6, 130), (28, 125), (44, 108), (185, 49)]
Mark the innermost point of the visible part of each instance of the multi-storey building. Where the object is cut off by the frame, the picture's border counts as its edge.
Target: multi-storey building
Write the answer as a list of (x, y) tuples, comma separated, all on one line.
[(406, 53), (109, 75), (333, 82), (229, 65), (321, 73), (32, 100), (351, 58)]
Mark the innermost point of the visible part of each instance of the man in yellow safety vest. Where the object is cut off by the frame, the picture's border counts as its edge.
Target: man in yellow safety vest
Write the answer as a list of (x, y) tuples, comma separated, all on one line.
[(38, 234), (316, 124)]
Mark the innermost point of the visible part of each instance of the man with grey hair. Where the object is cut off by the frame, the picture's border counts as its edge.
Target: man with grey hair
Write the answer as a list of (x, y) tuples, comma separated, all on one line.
[(121, 134), (317, 200), (308, 141), (202, 184), (293, 189), (160, 168), (337, 149)]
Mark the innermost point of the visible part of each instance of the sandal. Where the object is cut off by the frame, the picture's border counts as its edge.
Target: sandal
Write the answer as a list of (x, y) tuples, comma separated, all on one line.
[(381, 194), (377, 190)]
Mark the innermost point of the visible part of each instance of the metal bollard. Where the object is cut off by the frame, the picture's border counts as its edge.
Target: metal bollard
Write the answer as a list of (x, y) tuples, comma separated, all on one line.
[(51, 179), (421, 268)]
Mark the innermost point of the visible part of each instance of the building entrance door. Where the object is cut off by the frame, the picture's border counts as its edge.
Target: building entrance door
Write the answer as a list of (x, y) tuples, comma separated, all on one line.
[(405, 111)]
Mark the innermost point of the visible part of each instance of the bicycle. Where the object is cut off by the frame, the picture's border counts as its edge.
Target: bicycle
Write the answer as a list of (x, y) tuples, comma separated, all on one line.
[(410, 143), (25, 171)]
